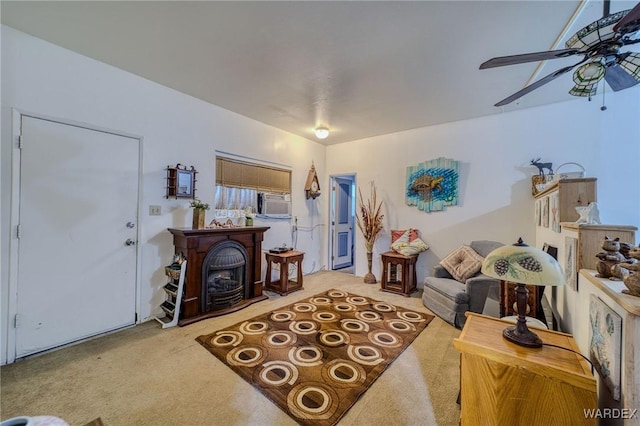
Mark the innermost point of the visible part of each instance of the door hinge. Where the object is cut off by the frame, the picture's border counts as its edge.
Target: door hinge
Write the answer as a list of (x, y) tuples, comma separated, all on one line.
[(18, 231), (19, 141), (16, 321), (136, 318)]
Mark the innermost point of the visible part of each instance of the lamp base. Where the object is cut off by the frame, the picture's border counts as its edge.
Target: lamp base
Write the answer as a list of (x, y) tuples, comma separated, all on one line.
[(522, 336)]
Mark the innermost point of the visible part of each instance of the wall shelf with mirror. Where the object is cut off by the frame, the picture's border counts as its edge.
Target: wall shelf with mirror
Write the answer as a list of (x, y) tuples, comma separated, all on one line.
[(181, 181)]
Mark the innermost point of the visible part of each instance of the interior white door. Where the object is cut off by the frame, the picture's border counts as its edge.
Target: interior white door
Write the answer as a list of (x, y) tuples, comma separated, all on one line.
[(78, 212), (343, 224)]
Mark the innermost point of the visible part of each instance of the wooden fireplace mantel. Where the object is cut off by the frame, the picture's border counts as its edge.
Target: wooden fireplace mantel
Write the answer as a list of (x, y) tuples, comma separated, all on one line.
[(195, 244)]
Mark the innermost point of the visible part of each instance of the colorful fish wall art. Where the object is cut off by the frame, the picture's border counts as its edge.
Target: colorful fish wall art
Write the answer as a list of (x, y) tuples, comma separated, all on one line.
[(433, 184)]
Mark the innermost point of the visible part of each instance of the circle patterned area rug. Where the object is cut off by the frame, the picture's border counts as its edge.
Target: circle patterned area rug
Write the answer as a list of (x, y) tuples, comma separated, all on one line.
[(314, 358)]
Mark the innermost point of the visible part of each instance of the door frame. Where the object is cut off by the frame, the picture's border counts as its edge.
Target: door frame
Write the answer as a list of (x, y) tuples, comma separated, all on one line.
[(14, 242), (332, 214)]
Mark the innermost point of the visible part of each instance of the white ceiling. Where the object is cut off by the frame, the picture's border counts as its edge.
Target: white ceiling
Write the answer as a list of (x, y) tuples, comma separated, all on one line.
[(361, 68)]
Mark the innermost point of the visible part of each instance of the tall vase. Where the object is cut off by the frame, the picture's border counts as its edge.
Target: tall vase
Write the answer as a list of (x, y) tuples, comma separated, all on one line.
[(198, 218), (369, 278)]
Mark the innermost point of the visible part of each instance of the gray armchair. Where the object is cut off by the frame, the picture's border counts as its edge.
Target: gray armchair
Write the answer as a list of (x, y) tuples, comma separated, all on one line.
[(450, 299)]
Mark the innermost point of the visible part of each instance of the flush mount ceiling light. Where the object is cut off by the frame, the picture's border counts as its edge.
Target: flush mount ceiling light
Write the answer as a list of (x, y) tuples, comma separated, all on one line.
[(322, 132)]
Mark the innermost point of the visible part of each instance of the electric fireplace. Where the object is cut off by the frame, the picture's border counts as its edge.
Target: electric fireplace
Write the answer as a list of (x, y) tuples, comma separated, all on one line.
[(224, 267)]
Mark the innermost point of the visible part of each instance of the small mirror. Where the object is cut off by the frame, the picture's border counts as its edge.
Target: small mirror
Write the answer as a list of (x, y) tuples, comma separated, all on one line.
[(181, 182), (185, 183)]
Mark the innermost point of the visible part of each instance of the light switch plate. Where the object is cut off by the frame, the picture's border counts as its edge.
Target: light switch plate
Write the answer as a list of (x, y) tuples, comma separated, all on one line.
[(155, 210)]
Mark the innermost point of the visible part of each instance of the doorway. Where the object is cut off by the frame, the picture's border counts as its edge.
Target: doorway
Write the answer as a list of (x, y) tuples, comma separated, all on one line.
[(342, 217), (77, 221)]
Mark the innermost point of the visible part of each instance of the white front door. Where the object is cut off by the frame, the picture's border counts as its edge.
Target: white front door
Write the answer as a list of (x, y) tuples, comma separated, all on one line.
[(342, 224), (78, 207)]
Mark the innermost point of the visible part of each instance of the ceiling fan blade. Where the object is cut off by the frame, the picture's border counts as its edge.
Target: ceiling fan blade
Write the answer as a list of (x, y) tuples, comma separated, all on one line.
[(619, 78), (527, 57), (630, 22), (535, 85)]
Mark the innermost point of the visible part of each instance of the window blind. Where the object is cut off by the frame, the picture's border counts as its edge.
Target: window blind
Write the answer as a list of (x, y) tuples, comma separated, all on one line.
[(239, 174)]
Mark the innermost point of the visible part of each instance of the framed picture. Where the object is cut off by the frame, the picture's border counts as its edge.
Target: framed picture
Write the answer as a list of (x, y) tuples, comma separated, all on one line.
[(537, 212), (570, 262), (432, 185), (605, 337), (550, 250), (545, 212), (554, 212)]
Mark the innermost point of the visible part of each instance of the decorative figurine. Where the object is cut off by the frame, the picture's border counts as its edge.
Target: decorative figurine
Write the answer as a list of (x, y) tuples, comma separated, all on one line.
[(625, 249), (609, 258), (588, 214), (632, 280), (542, 166)]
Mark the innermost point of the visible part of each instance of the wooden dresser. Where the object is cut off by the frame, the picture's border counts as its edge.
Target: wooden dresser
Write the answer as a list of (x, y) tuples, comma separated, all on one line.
[(504, 384)]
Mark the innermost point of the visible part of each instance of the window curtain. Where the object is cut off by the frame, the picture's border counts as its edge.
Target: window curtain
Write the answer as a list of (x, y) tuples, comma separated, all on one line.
[(228, 198)]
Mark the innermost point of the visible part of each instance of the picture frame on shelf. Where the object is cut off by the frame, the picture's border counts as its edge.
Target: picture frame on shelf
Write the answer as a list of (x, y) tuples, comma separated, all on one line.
[(605, 337), (570, 262), (550, 250), (545, 212)]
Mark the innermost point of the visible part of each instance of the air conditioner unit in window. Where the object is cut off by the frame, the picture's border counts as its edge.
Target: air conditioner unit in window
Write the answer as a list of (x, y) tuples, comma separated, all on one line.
[(274, 204)]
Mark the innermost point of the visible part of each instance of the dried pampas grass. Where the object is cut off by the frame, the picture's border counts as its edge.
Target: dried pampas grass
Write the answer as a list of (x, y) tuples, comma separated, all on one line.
[(370, 219)]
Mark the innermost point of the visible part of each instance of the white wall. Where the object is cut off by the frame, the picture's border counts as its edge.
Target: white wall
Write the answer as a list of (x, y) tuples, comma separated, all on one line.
[(494, 152), (42, 78)]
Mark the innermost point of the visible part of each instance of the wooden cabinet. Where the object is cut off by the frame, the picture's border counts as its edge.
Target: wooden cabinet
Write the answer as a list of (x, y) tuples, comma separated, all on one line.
[(562, 198), (398, 273), (504, 384), (589, 241), (628, 308)]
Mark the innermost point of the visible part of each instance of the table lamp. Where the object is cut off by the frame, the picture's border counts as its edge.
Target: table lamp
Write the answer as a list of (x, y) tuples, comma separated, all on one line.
[(522, 264)]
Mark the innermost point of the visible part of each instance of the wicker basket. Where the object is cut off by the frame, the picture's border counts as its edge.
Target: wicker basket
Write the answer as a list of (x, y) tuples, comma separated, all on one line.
[(172, 273), (539, 183)]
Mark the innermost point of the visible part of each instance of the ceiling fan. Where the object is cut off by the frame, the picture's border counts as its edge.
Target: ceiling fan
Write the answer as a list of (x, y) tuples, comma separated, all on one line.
[(599, 43)]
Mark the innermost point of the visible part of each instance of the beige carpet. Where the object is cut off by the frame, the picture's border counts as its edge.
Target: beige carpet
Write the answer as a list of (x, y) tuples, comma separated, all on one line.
[(149, 376)]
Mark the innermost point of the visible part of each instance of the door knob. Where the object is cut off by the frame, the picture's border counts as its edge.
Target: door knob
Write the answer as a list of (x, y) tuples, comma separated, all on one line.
[(129, 242), (130, 225)]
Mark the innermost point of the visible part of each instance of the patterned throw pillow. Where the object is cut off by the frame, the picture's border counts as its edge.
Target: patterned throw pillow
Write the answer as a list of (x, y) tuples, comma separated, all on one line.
[(414, 247), (408, 234), (462, 263), (407, 242)]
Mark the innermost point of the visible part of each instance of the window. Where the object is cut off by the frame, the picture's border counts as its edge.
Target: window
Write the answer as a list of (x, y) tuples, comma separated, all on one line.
[(238, 183)]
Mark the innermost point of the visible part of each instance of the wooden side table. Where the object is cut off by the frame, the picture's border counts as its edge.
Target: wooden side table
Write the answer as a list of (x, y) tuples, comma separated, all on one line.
[(284, 285), (504, 384), (403, 281)]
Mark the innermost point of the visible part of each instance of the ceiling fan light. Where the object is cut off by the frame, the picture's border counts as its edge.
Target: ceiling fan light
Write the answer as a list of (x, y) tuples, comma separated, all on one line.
[(584, 90), (321, 132), (589, 73)]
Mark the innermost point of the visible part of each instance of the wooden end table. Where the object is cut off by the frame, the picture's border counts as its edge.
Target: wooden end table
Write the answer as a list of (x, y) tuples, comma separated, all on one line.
[(284, 285), (506, 384), (400, 282)]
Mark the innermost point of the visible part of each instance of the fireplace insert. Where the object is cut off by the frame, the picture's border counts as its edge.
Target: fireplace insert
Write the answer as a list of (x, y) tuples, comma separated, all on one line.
[(224, 276)]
